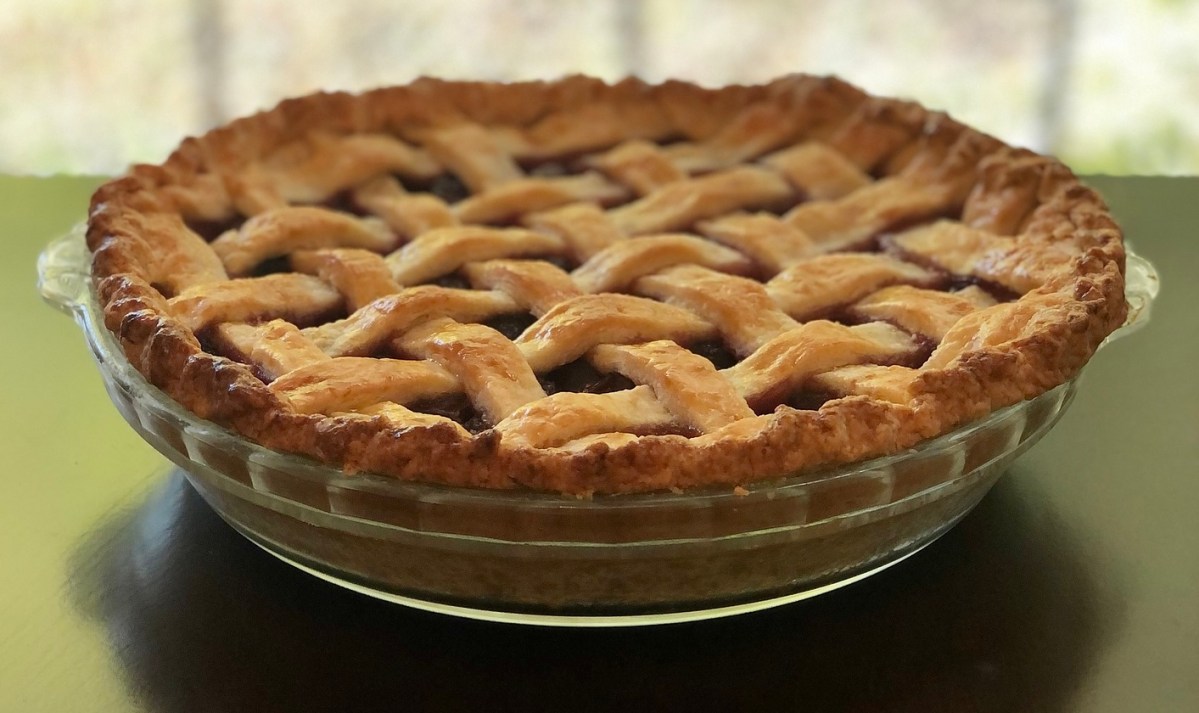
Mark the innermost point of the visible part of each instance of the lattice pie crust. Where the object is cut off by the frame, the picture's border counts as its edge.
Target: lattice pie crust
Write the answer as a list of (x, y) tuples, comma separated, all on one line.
[(585, 287)]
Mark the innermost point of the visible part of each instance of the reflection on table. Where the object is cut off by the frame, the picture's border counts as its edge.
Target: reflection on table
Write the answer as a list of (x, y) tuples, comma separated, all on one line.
[(1001, 611)]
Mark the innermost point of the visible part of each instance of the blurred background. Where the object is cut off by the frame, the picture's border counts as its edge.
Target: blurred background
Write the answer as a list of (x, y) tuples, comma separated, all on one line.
[(1110, 86)]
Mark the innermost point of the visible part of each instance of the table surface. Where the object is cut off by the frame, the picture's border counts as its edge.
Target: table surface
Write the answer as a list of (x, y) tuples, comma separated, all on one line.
[(1073, 586)]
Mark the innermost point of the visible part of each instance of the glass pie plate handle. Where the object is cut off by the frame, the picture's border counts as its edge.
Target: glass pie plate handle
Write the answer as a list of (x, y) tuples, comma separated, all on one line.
[(548, 559)]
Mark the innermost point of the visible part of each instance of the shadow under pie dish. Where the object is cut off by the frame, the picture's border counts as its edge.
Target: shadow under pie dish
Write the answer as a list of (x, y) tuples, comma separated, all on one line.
[(589, 288)]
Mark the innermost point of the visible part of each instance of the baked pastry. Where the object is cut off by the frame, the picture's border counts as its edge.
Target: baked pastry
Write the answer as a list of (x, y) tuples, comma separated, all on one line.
[(581, 287)]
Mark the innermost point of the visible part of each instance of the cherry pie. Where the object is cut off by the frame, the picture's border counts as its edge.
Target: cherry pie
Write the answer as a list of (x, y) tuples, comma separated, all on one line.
[(587, 288)]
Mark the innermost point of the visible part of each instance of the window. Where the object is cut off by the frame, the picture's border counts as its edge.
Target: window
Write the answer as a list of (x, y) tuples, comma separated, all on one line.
[(1109, 86)]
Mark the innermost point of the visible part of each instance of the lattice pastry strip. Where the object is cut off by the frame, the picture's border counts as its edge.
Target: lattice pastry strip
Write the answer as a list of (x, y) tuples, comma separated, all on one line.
[(405, 213), (382, 319), (573, 327), (818, 171), (876, 132), (583, 128), (1007, 192), (491, 368), (925, 312), (205, 197), (886, 383), (313, 169), (688, 385), (567, 416), (642, 166), (821, 283), (929, 314), (951, 245), (535, 285), (677, 389), (858, 216), (783, 363), (404, 417), (1001, 324), (360, 276), (291, 295), (990, 327), (284, 230), (616, 267), (274, 348), (771, 243), (1020, 266), (473, 154), (754, 131), (739, 307), (351, 383), (175, 257), (444, 250), (517, 197), (585, 228), (680, 204)]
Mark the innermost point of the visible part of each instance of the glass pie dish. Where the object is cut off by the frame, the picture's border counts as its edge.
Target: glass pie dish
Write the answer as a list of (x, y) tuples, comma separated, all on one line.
[(551, 559)]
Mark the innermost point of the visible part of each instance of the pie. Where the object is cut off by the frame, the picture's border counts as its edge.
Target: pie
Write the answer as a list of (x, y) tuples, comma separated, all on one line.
[(589, 288)]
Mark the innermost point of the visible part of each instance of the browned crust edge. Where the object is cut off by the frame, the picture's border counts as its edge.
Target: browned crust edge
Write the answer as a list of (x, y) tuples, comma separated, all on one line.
[(1015, 185)]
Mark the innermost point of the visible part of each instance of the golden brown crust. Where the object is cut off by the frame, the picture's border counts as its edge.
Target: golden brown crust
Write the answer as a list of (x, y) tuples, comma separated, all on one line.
[(930, 165)]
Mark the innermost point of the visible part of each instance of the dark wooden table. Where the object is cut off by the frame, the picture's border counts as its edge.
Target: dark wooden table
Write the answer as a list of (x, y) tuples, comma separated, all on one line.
[(1073, 586)]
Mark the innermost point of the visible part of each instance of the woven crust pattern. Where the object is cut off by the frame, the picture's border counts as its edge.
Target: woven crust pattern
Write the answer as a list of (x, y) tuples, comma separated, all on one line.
[(714, 259)]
